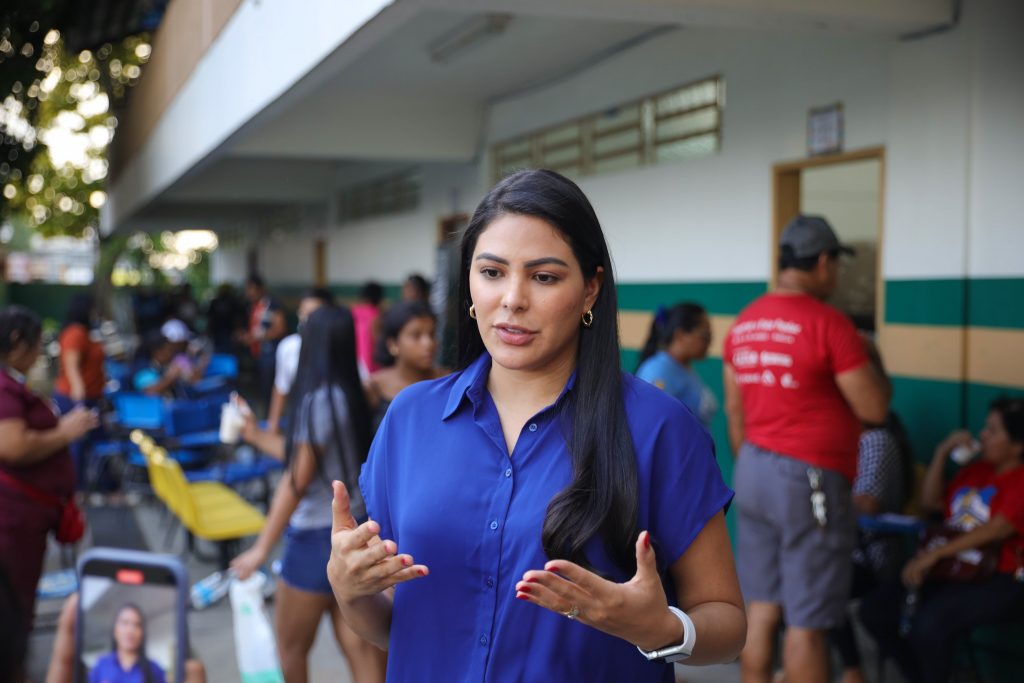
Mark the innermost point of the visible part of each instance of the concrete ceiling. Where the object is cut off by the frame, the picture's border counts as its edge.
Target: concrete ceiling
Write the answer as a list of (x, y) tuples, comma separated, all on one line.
[(380, 97)]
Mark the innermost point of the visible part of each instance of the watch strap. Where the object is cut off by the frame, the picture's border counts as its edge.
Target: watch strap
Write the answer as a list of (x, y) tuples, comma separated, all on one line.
[(675, 653)]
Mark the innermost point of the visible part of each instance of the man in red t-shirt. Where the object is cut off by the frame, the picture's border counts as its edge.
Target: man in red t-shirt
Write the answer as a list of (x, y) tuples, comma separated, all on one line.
[(798, 386)]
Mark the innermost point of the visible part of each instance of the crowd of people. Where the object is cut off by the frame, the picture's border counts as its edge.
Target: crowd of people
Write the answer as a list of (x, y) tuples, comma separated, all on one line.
[(545, 502)]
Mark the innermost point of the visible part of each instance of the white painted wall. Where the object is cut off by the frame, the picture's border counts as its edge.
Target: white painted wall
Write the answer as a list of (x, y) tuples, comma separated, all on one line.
[(710, 219), (948, 109), (996, 179), (927, 150), (234, 82), (385, 248), (227, 263)]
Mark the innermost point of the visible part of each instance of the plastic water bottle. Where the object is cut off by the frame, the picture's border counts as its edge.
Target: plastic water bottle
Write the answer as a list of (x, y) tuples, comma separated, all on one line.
[(908, 612), (210, 590)]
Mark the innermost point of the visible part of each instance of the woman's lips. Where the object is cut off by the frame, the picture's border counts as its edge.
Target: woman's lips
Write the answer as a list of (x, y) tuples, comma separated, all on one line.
[(514, 335)]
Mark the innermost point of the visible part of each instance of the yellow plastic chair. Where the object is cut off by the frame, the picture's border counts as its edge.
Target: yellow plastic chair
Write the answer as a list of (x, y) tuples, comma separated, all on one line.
[(208, 510)]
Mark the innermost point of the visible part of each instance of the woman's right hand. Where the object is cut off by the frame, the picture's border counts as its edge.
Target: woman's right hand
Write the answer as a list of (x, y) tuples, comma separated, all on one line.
[(960, 437), (79, 422), (361, 563)]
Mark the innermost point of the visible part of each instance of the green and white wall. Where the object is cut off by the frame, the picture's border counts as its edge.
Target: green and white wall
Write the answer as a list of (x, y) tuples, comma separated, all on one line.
[(949, 111)]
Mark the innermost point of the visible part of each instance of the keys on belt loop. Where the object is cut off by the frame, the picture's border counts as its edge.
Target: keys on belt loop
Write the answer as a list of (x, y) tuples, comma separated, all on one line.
[(814, 475)]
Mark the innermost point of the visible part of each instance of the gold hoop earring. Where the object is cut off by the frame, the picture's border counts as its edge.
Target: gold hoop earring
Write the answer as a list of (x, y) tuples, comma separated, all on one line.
[(472, 312), (588, 319)]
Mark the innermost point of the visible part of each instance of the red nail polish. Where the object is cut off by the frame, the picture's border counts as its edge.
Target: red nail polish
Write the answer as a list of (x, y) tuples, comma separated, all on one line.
[(406, 562), (524, 589), (531, 580), (553, 570), (647, 539), (422, 572), (521, 597)]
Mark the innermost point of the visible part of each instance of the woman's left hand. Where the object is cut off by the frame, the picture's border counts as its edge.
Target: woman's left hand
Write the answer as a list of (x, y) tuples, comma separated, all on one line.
[(625, 610), (915, 571)]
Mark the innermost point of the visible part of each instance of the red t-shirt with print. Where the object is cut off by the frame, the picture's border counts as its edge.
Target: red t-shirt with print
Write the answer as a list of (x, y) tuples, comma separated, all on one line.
[(785, 351), (977, 493)]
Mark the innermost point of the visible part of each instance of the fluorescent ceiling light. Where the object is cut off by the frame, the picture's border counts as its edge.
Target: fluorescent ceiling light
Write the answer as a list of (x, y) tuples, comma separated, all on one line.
[(467, 35)]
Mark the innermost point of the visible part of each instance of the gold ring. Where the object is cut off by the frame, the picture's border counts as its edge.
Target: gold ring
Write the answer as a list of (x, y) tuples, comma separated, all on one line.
[(574, 611)]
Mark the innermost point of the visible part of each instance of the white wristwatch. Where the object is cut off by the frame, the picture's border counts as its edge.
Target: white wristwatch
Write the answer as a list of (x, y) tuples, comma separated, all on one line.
[(676, 653)]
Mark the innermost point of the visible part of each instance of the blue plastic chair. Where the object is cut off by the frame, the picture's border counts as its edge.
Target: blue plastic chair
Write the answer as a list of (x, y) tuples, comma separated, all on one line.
[(222, 365), (138, 411)]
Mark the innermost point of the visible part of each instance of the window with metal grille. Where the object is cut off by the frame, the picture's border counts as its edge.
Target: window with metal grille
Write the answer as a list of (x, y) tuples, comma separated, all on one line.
[(681, 123), (391, 194)]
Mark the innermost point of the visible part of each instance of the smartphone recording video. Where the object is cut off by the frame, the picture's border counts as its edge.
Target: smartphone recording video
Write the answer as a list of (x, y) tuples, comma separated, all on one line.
[(131, 623)]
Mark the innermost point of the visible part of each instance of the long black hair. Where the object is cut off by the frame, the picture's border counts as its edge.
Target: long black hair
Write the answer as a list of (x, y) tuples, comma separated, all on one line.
[(603, 495), (1011, 412), (327, 359), (685, 316), (393, 321), (143, 659), (18, 325)]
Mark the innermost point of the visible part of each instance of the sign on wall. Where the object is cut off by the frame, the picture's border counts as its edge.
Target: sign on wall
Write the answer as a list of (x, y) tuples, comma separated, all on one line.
[(825, 130)]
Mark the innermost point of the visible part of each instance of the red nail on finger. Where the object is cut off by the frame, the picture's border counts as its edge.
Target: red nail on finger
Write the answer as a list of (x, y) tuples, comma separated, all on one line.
[(524, 589)]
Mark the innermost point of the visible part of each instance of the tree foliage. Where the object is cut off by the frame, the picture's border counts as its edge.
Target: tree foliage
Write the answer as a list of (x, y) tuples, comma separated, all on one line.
[(57, 118)]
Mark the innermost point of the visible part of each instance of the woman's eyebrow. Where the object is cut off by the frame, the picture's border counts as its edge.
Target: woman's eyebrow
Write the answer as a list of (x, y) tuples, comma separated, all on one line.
[(547, 260), (491, 257)]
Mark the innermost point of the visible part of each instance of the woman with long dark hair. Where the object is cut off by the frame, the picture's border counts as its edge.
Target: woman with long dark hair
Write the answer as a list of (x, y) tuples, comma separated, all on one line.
[(327, 439), (679, 336), (561, 513), (405, 354), (127, 661)]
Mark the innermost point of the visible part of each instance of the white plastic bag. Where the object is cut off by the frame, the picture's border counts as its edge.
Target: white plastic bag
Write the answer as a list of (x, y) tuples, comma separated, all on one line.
[(254, 639)]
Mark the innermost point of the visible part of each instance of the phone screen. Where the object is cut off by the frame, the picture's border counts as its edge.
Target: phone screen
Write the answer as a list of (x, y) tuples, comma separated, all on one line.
[(129, 626)]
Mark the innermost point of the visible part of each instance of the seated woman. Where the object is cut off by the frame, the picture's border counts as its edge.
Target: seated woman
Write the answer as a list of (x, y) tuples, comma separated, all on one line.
[(157, 373), (405, 354), (984, 500), (127, 661)]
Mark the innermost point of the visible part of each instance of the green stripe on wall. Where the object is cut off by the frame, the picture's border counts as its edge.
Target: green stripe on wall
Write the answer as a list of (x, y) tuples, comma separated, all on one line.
[(977, 302), (725, 298), (979, 397), (995, 302), (929, 409), (710, 371), (925, 302)]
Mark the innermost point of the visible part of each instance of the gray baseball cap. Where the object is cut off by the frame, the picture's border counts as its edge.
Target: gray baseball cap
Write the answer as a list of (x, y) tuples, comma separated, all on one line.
[(810, 235)]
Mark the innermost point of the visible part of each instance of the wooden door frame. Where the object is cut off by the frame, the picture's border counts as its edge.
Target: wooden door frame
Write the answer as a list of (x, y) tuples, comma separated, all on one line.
[(786, 205)]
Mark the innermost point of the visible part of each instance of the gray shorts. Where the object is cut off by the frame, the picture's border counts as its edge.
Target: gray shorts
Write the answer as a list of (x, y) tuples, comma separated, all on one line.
[(785, 556)]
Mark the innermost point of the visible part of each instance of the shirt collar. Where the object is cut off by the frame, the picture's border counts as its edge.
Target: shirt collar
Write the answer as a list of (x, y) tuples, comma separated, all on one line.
[(472, 384)]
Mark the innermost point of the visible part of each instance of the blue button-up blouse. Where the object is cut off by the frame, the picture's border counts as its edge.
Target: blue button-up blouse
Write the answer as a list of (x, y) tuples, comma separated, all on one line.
[(441, 483)]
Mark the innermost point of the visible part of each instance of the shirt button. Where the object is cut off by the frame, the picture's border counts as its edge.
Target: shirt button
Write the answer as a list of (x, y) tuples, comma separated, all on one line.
[(483, 640), (494, 525), (533, 426), (490, 582), (508, 472)]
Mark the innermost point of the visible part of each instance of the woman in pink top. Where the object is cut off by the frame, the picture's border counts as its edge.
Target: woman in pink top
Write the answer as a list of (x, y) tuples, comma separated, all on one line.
[(366, 313)]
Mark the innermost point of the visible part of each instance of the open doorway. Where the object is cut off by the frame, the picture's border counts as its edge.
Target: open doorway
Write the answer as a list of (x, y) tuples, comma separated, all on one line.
[(846, 189)]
